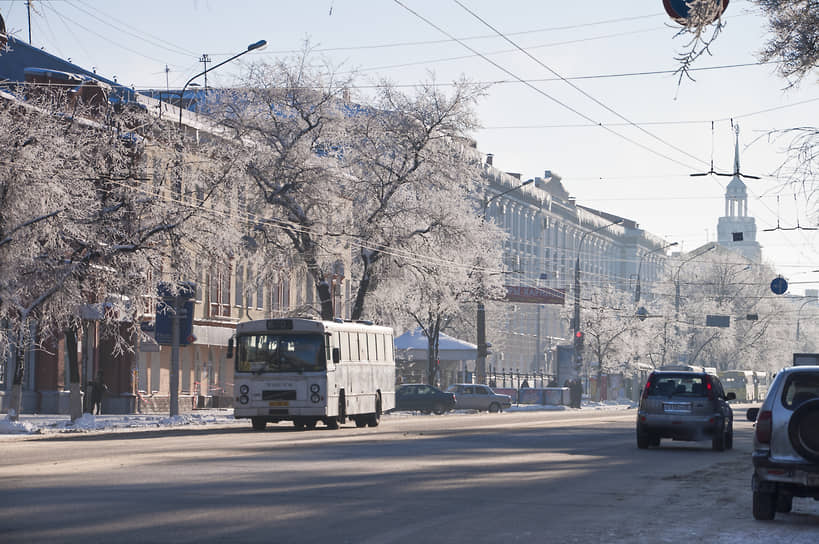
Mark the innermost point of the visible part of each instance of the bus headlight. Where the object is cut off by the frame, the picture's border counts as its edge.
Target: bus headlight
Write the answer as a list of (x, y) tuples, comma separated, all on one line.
[(243, 399), (315, 398), (244, 389), (314, 388)]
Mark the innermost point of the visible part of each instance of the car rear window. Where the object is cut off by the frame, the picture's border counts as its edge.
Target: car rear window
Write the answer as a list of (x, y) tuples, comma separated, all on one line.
[(801, 386), (672, 385)]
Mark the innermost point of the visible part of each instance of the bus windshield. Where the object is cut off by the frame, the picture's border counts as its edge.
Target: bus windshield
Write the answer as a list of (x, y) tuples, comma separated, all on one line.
[(260, 353)]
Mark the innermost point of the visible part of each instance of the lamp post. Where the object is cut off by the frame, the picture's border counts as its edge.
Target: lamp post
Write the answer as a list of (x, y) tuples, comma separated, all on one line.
[(576, 319), (177, 301), (640, 266), (261, 44), (677, 278), (799, 314), (480, 360)]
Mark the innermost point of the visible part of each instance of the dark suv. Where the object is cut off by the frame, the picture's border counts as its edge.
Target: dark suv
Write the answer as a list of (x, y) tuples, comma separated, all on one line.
[(423, 398), (786, 442), (685, 406)]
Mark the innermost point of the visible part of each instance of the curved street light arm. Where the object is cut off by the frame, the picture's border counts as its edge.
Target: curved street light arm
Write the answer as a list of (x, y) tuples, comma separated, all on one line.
[(261, 44), (493, 197), (640, 266)]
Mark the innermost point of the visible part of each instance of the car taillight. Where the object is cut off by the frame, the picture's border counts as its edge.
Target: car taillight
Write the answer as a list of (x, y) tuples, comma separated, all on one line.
[(709, 389), (646, 388), (764, 425)]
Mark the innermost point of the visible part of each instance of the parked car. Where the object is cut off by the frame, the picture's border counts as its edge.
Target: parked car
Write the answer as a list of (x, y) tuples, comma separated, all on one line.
[(786, 442), (470, 396), (685, 405), (423, 398)]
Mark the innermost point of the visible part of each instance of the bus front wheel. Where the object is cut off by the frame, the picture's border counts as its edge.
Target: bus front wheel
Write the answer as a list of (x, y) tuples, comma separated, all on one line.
[(259, 423)]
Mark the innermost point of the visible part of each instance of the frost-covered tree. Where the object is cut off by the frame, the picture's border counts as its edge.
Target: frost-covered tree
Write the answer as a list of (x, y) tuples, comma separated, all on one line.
[(436, 281), (333, 174), (608, 321), (82, 224), (720, 283)]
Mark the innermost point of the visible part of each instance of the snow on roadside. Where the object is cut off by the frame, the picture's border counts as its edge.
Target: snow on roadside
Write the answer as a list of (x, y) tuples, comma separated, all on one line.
[(61, 423), (44, 424)]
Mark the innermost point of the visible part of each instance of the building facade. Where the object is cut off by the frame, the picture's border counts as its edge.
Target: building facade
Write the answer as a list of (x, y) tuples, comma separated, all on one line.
[(546, 226)]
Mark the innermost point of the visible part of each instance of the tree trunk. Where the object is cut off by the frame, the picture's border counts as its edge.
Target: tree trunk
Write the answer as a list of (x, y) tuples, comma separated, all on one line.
[(361, 292), (16, 401), (326, 299), (75, 388), (432, 351)]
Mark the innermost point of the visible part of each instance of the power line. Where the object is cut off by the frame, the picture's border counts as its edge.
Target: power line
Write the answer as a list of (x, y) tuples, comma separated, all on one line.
[(543, 93)]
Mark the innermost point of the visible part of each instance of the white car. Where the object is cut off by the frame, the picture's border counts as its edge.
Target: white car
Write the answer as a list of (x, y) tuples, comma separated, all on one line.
[(470, 396)]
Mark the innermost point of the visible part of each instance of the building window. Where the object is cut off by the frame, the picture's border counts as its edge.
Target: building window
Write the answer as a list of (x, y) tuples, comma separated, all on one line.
[(219, 292), (240, 285), (737, 236)]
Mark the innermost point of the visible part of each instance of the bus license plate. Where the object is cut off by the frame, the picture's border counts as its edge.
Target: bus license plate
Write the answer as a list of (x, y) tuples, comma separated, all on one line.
[(278, 403)]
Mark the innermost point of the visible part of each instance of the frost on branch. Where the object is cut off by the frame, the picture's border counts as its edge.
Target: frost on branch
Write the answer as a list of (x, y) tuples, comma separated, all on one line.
[(700, 27)]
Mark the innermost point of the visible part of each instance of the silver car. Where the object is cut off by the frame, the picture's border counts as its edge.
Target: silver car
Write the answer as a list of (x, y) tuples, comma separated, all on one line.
[(684, 405), (470, 396), (786, 442)]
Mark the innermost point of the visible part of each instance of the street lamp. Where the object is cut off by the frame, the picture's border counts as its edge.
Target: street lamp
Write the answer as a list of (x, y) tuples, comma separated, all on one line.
[(480, 360), (177, 301), (640, 266), (677, 278), (261, 44), (576, 320), (799, 314)]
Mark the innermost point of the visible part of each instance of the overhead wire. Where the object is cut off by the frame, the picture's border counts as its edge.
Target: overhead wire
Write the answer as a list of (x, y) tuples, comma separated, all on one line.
[(542, 92), (578, 89)]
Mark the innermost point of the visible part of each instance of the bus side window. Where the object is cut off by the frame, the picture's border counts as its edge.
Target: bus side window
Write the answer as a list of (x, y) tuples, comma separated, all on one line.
[(353, 346), (390, 345), (362, 345), (372, 353), (382, 356), (344, 344)]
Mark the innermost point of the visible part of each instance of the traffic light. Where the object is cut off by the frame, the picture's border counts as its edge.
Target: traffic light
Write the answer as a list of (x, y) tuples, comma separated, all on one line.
[(578, 342)]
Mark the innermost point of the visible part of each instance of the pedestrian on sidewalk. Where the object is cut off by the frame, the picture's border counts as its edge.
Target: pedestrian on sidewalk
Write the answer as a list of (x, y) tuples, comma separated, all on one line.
[(97, 389), (576, 392)]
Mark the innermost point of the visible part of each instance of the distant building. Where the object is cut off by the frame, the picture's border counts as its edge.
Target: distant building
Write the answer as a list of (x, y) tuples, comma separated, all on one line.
[(736, 230), (545, 226)]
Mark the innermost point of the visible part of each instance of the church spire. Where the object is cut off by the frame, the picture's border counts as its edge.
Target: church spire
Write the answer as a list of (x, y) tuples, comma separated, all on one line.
[(736, 152)]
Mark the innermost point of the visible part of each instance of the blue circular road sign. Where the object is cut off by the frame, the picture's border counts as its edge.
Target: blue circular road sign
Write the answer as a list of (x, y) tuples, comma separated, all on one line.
[(779, 285)]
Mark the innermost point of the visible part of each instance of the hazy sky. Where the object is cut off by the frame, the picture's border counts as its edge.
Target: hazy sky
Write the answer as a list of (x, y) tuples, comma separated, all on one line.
[(618, 58)]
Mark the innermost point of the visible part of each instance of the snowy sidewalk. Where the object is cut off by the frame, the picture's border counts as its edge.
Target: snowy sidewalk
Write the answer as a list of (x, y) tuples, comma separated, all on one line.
[(31, 424)]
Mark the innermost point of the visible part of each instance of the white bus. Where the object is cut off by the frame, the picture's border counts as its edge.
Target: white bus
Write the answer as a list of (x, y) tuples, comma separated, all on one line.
[(306, 371)]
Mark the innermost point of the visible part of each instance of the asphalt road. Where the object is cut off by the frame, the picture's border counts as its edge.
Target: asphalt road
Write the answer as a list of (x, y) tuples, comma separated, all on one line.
[(573, 476)]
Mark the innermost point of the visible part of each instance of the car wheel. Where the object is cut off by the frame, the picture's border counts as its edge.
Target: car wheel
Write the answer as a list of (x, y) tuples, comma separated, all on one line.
[(729, 438), (259, 423), (764, 505), (438, 410), (784, 503), (360, 421), (494, 408), (802, 430), (718, 442), (642, 440), (426, 412)]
